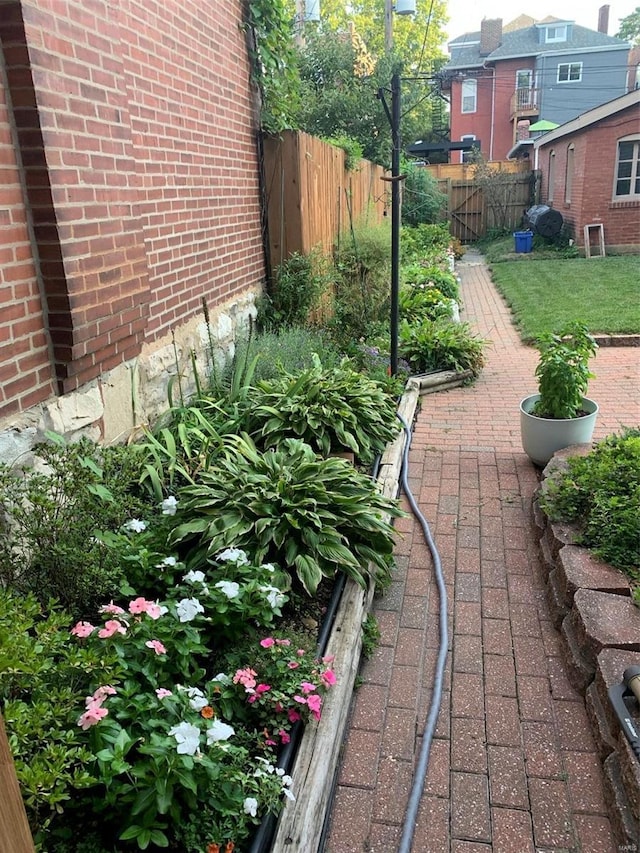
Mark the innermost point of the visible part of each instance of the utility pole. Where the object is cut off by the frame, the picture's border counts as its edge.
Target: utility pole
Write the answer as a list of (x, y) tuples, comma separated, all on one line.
[(395, 218), (388, 26)]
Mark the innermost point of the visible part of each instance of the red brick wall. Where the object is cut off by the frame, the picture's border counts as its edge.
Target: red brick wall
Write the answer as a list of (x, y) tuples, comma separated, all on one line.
[(25, 373), (491, 122), (595, 150), (136, 132)]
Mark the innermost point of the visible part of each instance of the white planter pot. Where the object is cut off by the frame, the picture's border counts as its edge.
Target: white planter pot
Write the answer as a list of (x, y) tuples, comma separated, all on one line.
[(542, 437)]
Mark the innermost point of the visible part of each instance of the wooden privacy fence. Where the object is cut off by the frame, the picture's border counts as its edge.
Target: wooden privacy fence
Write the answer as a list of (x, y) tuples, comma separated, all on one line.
[(472, 209), (311, 197)]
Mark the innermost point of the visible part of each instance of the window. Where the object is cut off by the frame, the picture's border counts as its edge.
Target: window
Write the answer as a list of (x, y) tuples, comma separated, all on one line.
[(558, 33), (568, 178), (569, 72), (551, 175), (627, 185), (465, 156), (469, 96)]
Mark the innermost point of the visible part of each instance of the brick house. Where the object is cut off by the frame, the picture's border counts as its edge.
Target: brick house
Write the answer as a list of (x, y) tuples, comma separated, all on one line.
[(502, 79), (130, 192), (590, 170)]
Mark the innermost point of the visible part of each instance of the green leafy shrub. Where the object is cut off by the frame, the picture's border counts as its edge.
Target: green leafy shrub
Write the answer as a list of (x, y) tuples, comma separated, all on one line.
[(601, 493), (422, 201), (563, 371), (310, 515), (425, 243), (363, 267), (440, 345), (299, 283), (48, 517), (331, 410), (431, 276), (351, 147), (417, 304), (43, 680)]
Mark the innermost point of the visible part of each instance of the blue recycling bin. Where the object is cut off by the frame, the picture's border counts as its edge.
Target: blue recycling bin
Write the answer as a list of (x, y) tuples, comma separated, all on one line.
[(523, 241)]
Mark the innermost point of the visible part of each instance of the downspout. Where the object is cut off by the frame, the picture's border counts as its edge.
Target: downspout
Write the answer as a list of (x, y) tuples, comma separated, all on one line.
[(493, 105)]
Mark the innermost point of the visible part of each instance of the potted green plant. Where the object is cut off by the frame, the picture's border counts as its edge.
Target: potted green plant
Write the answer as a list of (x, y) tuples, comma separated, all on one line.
[(560, 414)]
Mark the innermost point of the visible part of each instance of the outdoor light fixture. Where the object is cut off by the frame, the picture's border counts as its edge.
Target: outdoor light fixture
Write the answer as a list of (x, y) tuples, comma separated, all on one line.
[(405, 7)]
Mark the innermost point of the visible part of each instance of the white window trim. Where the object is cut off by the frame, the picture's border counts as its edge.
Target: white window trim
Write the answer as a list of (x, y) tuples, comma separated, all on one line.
[(569, 173), (474, 85), (549, 39), (568, 65), (551, 175), (635, 169)]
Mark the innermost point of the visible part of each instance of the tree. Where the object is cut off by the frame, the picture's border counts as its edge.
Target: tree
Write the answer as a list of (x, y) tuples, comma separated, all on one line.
[(630, 27), (338, 99)]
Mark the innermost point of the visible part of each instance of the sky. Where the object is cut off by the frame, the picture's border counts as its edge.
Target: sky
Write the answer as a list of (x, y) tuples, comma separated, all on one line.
[(466, 17)]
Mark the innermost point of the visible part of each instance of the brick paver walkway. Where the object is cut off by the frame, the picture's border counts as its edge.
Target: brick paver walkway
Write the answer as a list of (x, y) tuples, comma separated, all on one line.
[(513, 766)]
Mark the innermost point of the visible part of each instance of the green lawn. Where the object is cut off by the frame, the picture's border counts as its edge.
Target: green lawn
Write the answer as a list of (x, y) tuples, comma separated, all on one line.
[(603, 293)]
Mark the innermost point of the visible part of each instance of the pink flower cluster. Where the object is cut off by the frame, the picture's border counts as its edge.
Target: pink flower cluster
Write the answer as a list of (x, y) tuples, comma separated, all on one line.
[(119, 624), (94, 707)]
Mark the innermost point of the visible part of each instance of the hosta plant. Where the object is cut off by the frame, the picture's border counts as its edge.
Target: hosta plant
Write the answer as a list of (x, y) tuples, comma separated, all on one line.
[(310, 515), (332, 410), (441, 345)]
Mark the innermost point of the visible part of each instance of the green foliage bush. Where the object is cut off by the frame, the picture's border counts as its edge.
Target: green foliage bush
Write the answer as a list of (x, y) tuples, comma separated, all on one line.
[(417, 304), (313, 515), (287, 350), (422, 201), (439, 345), (563, 371), (299, 283), (363, 269), (425, 243), (331, 410), (423, 276), (601, 493), (49, 516)]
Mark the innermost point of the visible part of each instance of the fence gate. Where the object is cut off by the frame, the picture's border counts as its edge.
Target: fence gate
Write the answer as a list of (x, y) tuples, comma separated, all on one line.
[(466, 211)]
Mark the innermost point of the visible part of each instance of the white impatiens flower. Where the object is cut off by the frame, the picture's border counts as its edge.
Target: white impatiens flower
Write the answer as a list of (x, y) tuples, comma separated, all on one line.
[(169, 506), (233, 555), (187, 737), (135, 525), (194, 577), (251, 806), (222, 678), (269, 567), (166, 563), (273, 595), (197, 699), (219, 731), (188, 608), (230, 588)]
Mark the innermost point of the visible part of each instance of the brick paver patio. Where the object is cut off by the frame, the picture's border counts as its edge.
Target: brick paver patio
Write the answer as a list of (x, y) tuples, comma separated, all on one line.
[(513, 765)]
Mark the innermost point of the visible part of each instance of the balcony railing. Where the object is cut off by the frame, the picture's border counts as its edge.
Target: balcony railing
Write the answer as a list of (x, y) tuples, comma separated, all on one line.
[(524, 102)]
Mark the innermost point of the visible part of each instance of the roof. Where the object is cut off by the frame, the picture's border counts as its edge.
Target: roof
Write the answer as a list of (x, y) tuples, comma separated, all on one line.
[(624, 102), (465, 50)]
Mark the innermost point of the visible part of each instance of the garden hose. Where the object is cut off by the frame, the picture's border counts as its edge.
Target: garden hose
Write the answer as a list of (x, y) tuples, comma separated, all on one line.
[(420, 773)]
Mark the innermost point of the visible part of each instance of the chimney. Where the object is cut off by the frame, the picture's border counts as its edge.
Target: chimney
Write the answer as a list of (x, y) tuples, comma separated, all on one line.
[(603, 19), (490, 35)]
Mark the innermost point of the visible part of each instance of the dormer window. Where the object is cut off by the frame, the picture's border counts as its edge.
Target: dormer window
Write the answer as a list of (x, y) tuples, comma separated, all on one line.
[(555, 33)]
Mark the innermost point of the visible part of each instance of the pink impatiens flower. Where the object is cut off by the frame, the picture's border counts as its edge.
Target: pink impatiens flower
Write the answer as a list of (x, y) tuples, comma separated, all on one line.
[(267, 642), (294, 715), (307, 687), (328, 677), (111, 627), (284, 736), (314, 703), (100, 695), (157, 646), (246, 677), (111, 608), (154, 611), (139, 605), (293, 664), (162, 693), (82, 629), (92, 716)]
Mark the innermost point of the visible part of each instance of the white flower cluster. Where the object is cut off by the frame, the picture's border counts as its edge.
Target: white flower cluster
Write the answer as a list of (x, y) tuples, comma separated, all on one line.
[(267, 768)]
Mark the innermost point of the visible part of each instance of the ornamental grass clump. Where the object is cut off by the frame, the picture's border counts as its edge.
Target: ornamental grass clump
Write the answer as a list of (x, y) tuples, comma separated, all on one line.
[(310, 515)]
